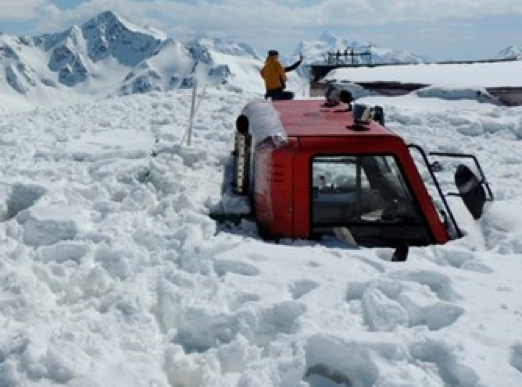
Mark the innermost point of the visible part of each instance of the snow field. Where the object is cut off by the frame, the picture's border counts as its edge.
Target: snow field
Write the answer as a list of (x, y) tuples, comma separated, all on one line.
[(112, 274)]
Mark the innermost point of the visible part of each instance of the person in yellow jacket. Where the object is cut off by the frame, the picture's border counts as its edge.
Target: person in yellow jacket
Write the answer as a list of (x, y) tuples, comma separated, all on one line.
[(274, 75)]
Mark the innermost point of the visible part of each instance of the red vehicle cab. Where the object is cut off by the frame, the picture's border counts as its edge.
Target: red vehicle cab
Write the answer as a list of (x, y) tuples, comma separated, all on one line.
[(310, 170)]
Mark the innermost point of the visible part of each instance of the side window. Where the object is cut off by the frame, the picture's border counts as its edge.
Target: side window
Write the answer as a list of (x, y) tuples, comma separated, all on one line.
[(338, 185), (367, 194)]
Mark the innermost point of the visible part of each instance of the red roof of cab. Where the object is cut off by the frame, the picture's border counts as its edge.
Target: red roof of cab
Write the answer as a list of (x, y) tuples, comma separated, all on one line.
[(308, 117)]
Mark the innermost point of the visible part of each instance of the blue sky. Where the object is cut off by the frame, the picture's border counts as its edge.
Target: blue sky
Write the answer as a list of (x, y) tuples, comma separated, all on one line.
[(442, 29)]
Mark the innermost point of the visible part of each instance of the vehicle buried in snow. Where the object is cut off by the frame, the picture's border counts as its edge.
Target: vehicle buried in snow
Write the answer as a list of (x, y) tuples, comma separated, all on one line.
[(310, 169)]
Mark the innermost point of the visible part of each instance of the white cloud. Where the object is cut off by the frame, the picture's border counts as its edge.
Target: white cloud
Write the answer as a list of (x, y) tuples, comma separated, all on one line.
[(270, 13), (265, 23), (375, 12), (19, 9), (241, 15)]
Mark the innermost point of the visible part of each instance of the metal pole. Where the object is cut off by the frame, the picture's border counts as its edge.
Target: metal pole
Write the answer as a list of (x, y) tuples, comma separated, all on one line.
[(192, 109)]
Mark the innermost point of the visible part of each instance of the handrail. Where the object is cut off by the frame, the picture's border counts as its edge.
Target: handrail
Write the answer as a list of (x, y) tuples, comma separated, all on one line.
[(439, 189)]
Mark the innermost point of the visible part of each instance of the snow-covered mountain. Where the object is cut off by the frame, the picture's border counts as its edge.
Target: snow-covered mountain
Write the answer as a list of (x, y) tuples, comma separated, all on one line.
[(176, 65), (99, 52), (511, 52), (110, 55), (75, 53), (161, 71), (317, 51), (223, 46)]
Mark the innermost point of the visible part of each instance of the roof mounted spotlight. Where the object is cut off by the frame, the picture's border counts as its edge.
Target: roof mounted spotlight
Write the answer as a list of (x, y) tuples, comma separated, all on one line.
[(335, 95), (363, 114)]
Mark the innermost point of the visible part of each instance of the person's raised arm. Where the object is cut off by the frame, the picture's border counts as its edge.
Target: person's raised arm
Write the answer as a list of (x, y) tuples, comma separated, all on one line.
[(295, 65)]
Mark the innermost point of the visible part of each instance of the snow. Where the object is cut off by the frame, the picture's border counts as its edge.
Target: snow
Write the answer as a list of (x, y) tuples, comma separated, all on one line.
[(112, 274), (499, 74), (265, 123)]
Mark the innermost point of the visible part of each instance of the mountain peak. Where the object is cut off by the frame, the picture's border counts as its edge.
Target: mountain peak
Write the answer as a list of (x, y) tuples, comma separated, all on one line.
[(109, 34), (329, 36), (511, 51), (108, 15), (111, 18)]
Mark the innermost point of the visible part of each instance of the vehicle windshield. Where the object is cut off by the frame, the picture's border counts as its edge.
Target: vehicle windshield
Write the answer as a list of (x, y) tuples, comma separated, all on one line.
[(366, 196)]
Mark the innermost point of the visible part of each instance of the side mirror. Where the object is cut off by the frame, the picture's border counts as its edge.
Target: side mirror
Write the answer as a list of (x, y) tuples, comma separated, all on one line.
[(470, 190)]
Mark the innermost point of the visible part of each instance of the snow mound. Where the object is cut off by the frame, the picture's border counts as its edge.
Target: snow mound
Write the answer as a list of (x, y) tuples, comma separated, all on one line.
[(457, 93)]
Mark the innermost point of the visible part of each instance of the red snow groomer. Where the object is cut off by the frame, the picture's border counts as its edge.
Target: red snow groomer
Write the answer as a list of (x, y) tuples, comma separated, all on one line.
[(311, 169)]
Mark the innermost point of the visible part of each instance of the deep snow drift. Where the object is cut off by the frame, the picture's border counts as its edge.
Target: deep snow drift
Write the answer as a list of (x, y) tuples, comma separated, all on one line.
[(112, 274)]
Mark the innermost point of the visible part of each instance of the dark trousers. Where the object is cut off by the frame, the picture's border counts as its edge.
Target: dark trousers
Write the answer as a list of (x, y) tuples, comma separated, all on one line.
[(279, 94)]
